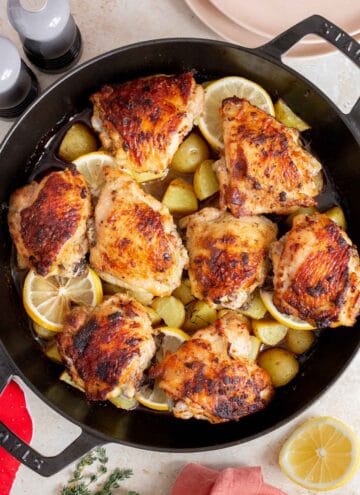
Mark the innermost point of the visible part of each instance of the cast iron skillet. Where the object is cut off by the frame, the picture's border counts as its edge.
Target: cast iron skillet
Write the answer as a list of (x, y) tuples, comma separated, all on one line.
[(335, 139)]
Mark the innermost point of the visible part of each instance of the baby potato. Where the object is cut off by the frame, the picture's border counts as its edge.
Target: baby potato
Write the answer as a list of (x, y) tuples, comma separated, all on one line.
[(183, 292), (191, 152), (281, 365), (255, 348), (170, 309), (180, 198), (205, 180), (310, 210), (286, 116), (299, 341), (337, 215), (199, 315), (269, 331), (154, 317), (255, 307), (77, 141)]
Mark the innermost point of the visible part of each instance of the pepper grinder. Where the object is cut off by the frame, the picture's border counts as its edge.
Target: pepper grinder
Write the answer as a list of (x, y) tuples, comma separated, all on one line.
[(50, 37), (18, 84)]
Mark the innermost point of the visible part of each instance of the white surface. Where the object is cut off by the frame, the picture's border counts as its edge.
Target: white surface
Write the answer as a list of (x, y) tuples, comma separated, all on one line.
[(106, 24)]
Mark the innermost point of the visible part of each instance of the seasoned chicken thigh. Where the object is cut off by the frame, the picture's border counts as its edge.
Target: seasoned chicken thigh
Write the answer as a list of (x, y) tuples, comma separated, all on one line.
[(317, 273), (137, 245), (228, 255), (142, 122), (48, 223), (265, 169), (209, 378), (107, 348)]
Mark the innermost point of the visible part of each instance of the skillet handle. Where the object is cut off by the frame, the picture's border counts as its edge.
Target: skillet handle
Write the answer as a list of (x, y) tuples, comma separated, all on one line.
[(317, 24), (45, 466)]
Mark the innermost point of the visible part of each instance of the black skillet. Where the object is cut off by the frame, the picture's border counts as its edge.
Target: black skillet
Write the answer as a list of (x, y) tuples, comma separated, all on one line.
[(335, 138)]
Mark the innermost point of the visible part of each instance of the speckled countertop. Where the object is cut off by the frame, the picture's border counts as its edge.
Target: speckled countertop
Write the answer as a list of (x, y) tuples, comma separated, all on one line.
[(106, 24)]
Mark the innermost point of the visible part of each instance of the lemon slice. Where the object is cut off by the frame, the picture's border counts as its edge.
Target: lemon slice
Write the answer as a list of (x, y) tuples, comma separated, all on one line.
[(322, 454), (48, 299), (91, 165), (210, 122), (154, 397), (287, 320)]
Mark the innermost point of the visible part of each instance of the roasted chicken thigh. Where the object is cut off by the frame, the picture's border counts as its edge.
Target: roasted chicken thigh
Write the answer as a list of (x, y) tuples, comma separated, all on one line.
[(107, 348), (265, 169), (209, 378), (48, 223), (142, 122), (137, 246), (228, 255), (317, 273)]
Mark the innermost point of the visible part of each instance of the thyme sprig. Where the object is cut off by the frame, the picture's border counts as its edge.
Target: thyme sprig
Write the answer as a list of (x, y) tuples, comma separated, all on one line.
[(82, 481)]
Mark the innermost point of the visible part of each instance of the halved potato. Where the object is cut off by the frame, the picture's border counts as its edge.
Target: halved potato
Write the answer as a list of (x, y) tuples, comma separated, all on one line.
[(269, 331), (179, 197), (205, 180), (310, 210), (286, 116), (254, 308), (281, 365), (183, 292), (255, 348), (170, 309), (199, 315), (78, 140), (299, 341), (191, 152), (337, 215)]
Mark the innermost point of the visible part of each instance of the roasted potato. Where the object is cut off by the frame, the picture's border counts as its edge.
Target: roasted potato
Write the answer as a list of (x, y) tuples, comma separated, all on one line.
[(254, 308), (183, 292), (180, 198), (281, 365), (170, 309), (146, 176), (299, 341), (255, 348), (310, 210), (154, 317), (78, 140), (269, 331), (337, 215), (205, 180), (199, 315), (191, 152), (286, 116)]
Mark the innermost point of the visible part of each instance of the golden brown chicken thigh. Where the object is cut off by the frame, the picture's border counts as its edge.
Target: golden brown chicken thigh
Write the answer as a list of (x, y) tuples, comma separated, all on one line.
[(317, 273), (48, 223), (107, 348), (137, 245), (265, 169), (142, 122), (208, 377), (228, 255)]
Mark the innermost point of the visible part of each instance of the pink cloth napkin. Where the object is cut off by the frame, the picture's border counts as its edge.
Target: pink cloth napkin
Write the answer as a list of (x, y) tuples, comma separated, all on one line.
[(195, 479)]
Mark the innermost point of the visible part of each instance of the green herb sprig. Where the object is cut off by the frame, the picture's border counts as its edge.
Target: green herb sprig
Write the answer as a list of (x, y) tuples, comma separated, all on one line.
[(82, 482)]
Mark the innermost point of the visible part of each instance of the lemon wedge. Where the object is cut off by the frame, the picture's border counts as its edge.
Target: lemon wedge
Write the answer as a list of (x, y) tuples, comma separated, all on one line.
[(91, 165), (287, 320), (322, 454), (210, 122), (154, 397), (48, 299)]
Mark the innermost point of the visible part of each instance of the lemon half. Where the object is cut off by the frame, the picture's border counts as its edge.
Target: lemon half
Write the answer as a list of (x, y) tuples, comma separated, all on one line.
[(287, 320)]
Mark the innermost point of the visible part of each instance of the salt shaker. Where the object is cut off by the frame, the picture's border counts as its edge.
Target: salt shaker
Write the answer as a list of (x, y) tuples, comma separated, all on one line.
[(50, 37), (18, 84)]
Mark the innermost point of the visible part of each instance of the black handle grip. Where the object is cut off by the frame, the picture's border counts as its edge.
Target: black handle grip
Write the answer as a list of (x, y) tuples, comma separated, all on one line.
[(317, 24), (45, 466)]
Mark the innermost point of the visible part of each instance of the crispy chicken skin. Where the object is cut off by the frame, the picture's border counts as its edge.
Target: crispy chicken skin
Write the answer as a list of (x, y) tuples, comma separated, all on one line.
[(137, 245), (48, 222), (228, 255), (142, 122), (317, 273), (207, 377), (265, 169), (107, 348)]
